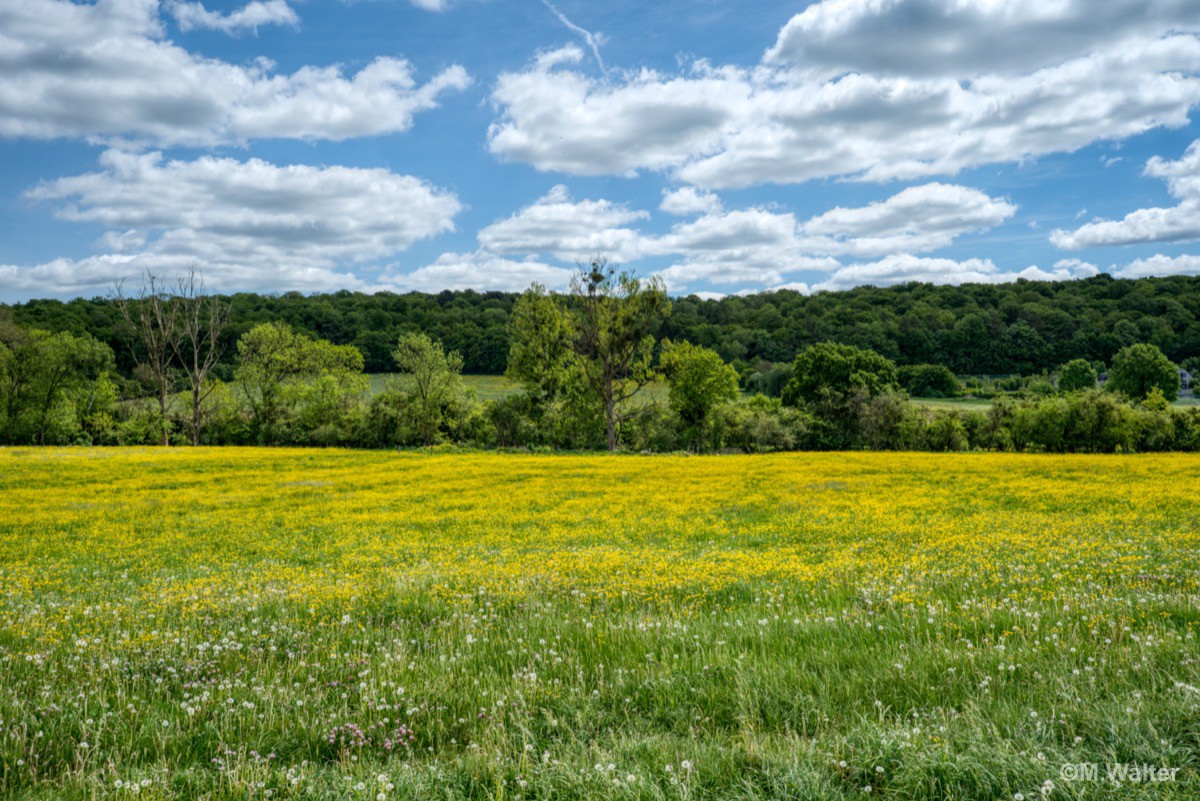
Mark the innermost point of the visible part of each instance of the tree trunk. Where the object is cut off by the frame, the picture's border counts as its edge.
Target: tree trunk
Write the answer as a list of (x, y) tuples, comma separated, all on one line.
[(195, 415), (162, 412), (610, 421)]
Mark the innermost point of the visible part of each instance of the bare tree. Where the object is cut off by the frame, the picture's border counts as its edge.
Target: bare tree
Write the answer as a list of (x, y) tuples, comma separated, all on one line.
[(154, 317), (202, 318)]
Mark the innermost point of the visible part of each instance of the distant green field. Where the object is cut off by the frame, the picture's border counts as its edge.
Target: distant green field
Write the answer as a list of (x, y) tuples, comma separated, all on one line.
[(487, 387), (966, 404), (495, 387), (982, 404)]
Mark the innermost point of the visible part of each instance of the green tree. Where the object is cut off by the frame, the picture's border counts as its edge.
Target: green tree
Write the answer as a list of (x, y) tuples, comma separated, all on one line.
[(542, 335), (275, 367), (838, 384), (928, 381), (699, 382), (616, 314), (1137, 369), (831, 370), (432, 380), (1076, 375), (44, 374)]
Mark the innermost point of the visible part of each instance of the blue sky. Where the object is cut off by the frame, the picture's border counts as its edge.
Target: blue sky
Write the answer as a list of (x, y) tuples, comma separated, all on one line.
[(726, 146)]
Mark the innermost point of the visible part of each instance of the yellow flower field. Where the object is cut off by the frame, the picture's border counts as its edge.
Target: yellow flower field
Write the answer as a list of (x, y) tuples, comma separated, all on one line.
[(753, 607)]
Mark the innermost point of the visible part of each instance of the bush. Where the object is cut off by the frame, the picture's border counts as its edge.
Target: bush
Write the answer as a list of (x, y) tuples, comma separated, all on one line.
[(928, 381), (764, 424), (1076, 375), (652, 427), (946, 431)]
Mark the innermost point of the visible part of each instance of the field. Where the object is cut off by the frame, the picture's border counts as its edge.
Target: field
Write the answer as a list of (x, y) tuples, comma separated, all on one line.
[(495, 387), (244, 623), (498, 387)]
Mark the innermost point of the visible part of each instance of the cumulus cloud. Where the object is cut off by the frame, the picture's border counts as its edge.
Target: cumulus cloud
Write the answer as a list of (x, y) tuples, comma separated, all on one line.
[(1176, 224), (745, 245), (250, 224), (730, 127), (965, 38), (563, 120), (689, 200), (916, 220), (566, 229), (189, 16), (903, 268), (742, 246), (1160, 265), (736, 247), (481, 271), (106, 70)]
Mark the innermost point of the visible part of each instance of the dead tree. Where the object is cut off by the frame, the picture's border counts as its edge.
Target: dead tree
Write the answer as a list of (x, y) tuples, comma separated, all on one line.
[(203, 318), (153, 315)]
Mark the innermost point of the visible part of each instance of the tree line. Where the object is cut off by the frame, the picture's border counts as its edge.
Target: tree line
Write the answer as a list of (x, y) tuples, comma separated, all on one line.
[(1022, 328), (582, 359)]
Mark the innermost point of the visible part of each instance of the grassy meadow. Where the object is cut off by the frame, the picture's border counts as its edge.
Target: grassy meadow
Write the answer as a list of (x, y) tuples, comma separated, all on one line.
[(253, 623)]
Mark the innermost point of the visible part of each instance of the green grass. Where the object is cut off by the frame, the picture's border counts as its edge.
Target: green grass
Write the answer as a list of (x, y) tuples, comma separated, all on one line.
[(963, 404), (497, 387), (803, 626), (982, 405)]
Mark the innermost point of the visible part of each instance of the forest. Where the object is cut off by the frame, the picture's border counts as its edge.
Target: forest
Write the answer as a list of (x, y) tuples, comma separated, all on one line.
[(583, 366), (1022, 328)]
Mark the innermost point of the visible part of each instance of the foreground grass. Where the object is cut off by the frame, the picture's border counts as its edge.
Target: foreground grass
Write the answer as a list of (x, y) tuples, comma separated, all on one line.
[(253, 623)]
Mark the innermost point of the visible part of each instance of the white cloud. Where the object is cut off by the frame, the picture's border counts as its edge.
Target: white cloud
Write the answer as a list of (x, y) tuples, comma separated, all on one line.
[(964, 38), (563, 120), (746, 245), (1160, 265), (248, 224), (731, 127), (742, 246), (689, 200), (566, 229), (915, 220), (904, 267), (1176, 224), (94, 275), (106, 71), (593, 40), (432, 5), (736, 247), (481, 271), (271, 12)]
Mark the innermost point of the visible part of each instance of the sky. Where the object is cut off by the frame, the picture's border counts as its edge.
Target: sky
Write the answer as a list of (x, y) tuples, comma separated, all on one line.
[(727, 146)]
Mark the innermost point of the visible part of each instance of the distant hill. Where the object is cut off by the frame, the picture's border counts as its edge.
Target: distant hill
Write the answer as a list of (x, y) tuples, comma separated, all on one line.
[(1023, 327)]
